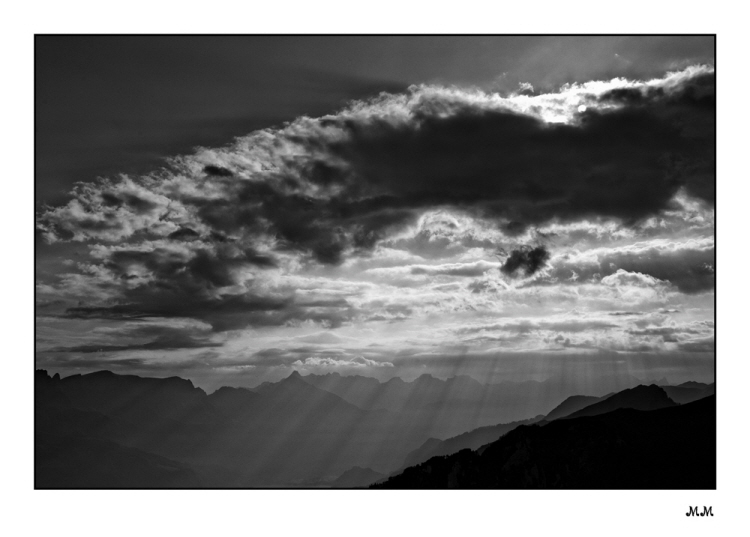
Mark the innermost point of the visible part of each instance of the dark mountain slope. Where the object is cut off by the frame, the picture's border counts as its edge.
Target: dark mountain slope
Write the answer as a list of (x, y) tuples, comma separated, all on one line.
[(134, 398), (470, 440), (644, 399), (669, 448), (572, 404), (357, 478), (640, 398)]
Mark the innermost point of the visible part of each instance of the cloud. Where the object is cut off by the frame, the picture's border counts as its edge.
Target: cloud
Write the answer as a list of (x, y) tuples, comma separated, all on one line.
[(158, 344), (456, 269), (692, 334), (337, 184), (625, 278), (324, 338), (707, 344), (184, 233), (473, 269), (366, 215), (528, 259), (223, 313), (526, 326), (687, 264), (356, 362), (141, 334), (217, 171)]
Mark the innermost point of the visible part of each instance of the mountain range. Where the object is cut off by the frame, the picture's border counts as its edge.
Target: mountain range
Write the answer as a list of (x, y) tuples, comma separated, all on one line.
[(104, 430)]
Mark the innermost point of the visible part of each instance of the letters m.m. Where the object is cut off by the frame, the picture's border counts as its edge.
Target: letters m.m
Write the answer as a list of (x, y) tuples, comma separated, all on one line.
[(693, 511)]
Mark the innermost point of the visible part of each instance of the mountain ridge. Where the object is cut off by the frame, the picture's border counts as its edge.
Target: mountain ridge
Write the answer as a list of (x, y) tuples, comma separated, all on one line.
[(622, 449), (285, 433)]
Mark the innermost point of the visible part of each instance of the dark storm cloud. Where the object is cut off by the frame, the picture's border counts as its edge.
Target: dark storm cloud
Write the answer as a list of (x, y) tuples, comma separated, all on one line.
[(625, 162), (324, 228), (94, 362), (184, 283), (191, 297), (184, 234), (339, 183), (198, 271), (527, 259), (165, 343), (222, 313), (218, 171)]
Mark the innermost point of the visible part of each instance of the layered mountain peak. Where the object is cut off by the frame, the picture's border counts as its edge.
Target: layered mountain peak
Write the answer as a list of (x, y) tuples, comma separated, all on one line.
[(649, 397)]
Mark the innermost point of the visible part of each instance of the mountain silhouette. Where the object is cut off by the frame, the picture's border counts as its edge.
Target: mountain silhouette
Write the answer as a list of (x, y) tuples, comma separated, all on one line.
[(622, 449), (459, 404), (395, 394), (470, 440), (152, 432), (283, 433), (229, 401), (572, 404), (75, 448), (688, 392), (693, 384), (289, 395), (363, 392), (133, 398), (659, 382), (640, 398)]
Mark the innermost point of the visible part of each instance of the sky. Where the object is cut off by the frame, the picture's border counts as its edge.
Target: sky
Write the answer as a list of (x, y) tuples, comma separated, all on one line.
[(232, 209)]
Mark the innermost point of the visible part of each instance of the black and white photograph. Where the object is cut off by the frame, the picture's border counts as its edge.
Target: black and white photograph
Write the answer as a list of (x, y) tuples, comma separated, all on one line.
[(373, 261), (301, 271)]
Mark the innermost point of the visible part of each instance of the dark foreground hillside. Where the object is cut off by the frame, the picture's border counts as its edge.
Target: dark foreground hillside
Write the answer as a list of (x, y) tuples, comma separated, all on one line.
[(669, 448)]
